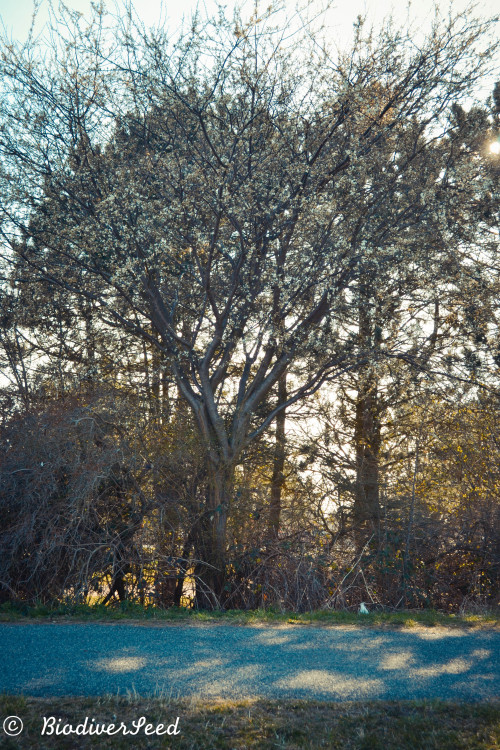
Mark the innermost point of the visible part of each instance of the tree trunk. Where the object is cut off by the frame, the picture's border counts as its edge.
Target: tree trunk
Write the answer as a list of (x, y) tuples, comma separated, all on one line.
[(118, 584), (210, 570), (278, 477), (367, 441), (181, 576)]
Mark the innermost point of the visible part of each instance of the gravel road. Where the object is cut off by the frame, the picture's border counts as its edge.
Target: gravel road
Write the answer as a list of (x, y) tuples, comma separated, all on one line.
[(341, 663)]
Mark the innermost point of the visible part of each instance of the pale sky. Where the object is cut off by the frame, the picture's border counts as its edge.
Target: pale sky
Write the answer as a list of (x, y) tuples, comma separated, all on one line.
[(16, 14)]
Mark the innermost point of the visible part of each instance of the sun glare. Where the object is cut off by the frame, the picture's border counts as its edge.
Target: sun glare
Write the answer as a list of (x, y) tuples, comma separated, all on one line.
[(495, 147)]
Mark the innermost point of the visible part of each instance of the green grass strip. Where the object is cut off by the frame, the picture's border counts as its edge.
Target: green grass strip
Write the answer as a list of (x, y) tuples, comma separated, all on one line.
[(136, 612)]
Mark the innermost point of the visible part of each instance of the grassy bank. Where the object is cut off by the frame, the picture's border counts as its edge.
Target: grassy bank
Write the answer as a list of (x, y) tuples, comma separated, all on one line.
[(262, 724), (130, 611)]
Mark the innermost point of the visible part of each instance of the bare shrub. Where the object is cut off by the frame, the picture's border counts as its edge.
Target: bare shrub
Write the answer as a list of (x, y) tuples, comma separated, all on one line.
[(71, 506)]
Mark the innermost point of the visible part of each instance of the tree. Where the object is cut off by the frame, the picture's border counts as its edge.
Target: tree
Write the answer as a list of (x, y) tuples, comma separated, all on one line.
[(208, 196), (438, 318)]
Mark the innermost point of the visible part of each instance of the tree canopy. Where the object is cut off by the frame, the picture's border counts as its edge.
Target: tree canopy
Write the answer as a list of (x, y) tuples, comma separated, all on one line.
[(249, 206)]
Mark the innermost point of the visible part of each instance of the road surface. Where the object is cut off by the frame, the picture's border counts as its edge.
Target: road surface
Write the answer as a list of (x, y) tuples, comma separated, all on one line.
[(209, 661)]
